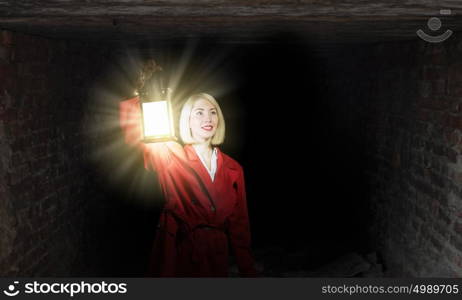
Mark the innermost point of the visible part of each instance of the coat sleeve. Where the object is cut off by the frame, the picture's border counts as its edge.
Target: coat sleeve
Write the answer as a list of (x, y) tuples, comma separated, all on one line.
[(156, 155), (239, 232)]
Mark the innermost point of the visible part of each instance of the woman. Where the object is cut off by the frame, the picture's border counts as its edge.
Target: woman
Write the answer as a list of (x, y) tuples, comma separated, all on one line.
[(204, 190)]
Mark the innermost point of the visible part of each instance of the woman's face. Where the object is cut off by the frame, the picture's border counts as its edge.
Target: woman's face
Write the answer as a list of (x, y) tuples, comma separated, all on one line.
[(203, 120)]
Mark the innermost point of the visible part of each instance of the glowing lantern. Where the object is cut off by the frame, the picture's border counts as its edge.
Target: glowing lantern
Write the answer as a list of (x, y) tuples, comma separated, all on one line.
[(157, 116)]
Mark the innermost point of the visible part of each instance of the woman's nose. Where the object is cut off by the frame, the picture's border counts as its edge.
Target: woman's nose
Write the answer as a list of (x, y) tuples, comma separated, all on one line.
[(207, 118)]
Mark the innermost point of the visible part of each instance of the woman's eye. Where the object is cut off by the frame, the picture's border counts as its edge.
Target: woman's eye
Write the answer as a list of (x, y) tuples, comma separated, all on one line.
[(199, 113), (214, 112)]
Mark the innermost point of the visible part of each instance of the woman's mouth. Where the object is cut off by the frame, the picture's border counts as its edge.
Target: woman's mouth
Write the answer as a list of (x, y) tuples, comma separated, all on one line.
[(207, 127)]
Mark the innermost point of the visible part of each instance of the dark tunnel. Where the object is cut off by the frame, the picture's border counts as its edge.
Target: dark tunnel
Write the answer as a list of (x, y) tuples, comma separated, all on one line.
[(292, 151)]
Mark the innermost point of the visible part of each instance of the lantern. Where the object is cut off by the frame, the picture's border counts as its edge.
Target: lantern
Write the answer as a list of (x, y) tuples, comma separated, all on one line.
[(156, 112)]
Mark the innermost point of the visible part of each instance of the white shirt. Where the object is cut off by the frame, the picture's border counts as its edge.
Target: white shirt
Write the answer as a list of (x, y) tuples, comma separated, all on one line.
[(213, 162)]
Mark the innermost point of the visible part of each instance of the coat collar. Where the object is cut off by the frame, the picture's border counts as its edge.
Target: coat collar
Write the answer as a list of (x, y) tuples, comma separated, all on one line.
[(222, 160), (197, 164), (191, 154)]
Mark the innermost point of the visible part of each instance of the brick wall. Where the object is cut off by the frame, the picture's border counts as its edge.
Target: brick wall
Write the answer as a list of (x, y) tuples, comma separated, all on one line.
[(401, 104), (44, 186)]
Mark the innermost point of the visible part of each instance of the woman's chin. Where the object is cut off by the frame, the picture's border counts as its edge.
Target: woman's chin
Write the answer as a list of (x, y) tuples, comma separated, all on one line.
[(203, 139)]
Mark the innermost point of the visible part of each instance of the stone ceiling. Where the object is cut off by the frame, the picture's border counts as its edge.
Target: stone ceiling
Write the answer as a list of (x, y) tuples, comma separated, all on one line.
[(323, 22)]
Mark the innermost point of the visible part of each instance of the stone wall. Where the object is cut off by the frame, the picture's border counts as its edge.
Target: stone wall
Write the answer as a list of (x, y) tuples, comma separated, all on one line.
[(45, 187), (401, 104)]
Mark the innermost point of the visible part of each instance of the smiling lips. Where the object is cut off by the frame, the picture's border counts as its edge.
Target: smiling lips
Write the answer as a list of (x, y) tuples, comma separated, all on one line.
[(207, 127)]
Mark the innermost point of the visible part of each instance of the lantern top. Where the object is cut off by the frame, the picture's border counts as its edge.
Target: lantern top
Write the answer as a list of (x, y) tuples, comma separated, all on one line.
[(150, 84)]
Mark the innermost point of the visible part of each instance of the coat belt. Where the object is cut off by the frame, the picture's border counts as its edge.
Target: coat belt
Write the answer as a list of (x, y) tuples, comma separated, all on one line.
[(185, 232), (192, 236)]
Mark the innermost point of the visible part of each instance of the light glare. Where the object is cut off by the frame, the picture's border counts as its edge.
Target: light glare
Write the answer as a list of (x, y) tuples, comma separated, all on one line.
[(156, 119)]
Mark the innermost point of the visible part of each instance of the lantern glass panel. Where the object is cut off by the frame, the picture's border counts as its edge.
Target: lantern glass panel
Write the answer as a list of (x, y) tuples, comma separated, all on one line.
[(156, 119)]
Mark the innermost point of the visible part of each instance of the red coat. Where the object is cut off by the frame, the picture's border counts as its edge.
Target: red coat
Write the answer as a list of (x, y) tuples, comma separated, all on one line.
[(200, 217)]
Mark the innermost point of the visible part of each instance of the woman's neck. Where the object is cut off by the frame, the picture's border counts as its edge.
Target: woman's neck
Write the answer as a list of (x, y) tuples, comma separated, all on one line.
[(205, 148)]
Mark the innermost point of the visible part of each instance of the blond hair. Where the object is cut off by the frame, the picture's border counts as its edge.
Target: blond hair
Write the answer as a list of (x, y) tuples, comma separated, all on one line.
[(185, 130)]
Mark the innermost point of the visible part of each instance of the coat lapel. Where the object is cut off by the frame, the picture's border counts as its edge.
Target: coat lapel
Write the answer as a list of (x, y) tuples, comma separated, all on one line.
[(203, 175), (218, 190), (225, 178), (197, 165)]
